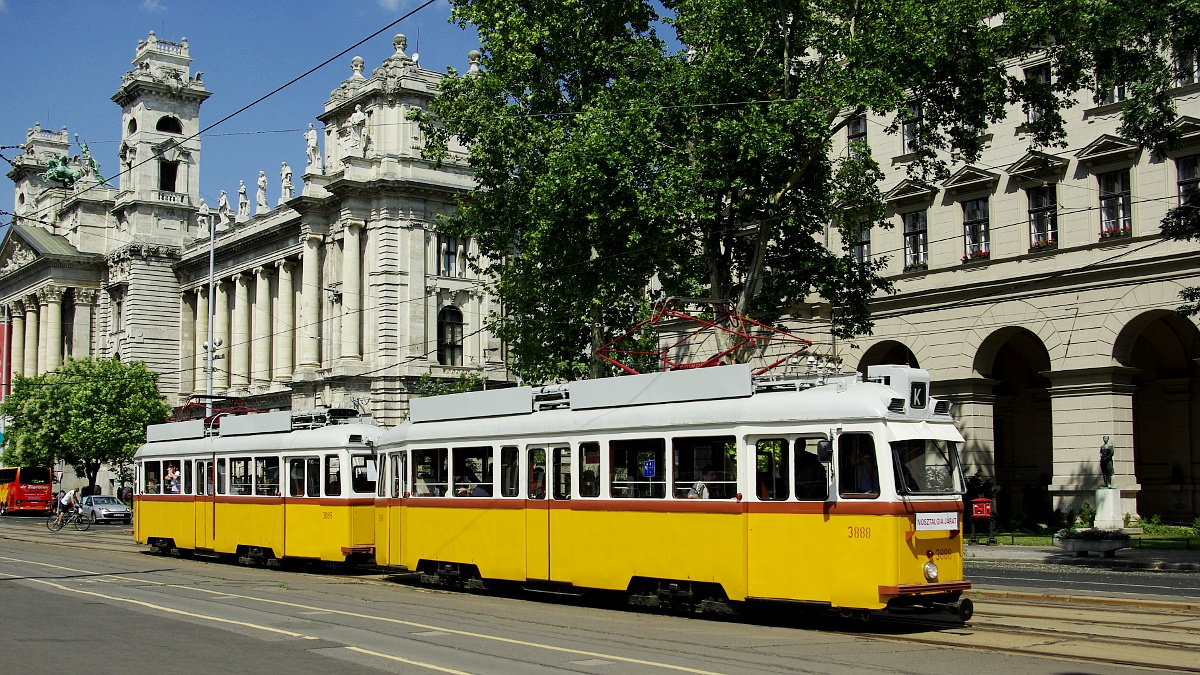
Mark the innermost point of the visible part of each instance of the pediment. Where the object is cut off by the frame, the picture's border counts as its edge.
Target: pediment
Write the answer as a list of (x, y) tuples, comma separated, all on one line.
[(1108, 149), (15, 254), (24, 245), (909, 190), (1038, 165), (971, 178), (1189, 130)]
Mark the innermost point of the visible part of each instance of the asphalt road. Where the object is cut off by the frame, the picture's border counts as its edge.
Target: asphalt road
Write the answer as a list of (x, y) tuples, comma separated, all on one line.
[(1090, 581)]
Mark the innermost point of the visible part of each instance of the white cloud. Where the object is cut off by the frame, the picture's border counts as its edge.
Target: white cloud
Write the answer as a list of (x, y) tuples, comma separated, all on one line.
[(148, 5), (391, 5)]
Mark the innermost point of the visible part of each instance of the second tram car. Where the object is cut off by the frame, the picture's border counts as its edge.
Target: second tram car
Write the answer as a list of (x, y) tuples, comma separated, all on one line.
[(283, 485), (696, 488)]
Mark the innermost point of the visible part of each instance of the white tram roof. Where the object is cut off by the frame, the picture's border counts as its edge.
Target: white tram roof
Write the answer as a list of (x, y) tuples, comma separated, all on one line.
[(321, 438), (694, 400)]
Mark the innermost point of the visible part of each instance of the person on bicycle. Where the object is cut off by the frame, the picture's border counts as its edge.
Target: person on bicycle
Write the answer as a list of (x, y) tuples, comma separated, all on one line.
[(68, 503)]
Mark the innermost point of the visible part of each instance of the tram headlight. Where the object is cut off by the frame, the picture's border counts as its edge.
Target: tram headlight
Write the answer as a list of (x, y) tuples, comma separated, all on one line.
[(931, 571)]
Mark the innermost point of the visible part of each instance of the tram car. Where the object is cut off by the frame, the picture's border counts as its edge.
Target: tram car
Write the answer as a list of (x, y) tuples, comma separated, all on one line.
[(700, 489), (264, 487)]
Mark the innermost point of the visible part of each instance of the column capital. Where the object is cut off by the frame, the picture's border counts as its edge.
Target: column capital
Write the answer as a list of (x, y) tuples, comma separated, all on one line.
[(1085, 381), (201, 291), (285, 264), (31, 303), (17, 306), (50, 293), (309, 235), (262, 270), (86, 296)]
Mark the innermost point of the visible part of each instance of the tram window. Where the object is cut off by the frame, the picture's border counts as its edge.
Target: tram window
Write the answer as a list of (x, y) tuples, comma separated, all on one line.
[(589, 469), (510, 471), (187, 478), (473, 472), (926, 466), (152, 475), (397, 466), (363, 474), (858, 472), (266, 476), (771, 470), (221, 476), (296, 477), (200, 478), (312, 477), (240, 478), (537, 473), (812, 481), (693, 458), (637, 468), (562, 473), (381, 481), (430, 469), (333, 476)]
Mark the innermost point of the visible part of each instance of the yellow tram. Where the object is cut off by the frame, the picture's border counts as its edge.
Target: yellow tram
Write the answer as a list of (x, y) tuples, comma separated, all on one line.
[(696, 488), (284, 485)]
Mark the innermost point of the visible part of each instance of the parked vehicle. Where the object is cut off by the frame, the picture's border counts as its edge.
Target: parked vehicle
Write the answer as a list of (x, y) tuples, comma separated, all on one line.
[(25, 488), (105, 508)]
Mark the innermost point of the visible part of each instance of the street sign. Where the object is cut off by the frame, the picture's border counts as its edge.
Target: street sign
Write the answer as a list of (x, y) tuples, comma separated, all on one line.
[(648, 468)]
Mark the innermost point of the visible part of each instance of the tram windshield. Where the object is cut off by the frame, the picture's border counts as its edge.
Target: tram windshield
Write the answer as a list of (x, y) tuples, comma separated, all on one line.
[(927, 466)]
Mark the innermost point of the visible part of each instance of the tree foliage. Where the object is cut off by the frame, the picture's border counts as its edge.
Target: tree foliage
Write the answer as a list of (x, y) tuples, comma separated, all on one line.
[(87, 413), (610, 158)]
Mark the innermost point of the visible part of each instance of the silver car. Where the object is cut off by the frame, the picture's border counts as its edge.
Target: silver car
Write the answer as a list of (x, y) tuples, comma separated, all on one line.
[(105, 508)]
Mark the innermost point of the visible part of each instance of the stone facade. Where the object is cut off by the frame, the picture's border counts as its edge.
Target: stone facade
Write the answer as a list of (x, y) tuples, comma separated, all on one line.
[(335, 296), (1037, 290)]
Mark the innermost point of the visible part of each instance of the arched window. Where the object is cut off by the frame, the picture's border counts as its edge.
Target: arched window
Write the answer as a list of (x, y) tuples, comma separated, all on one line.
[(169, 124), (450, 337), (132, 125)]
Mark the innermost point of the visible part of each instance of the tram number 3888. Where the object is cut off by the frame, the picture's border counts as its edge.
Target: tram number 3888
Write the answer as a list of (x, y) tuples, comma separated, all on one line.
[(858, 532)]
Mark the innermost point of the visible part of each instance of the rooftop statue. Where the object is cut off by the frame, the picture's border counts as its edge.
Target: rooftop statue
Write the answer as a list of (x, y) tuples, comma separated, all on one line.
[(58, 172), (89, 162)]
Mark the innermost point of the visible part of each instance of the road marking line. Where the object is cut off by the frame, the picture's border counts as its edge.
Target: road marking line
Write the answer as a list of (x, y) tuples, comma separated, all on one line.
[(402, 622), (410, 662), (169, 610)]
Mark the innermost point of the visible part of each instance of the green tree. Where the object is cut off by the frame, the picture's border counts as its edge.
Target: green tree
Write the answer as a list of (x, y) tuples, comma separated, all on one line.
[(87, 413), (607, 156)]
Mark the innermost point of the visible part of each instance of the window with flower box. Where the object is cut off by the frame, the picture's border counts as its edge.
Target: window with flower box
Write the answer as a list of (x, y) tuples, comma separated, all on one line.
[(1116, 217), (916, 242), (975, 230), (1043, 217)]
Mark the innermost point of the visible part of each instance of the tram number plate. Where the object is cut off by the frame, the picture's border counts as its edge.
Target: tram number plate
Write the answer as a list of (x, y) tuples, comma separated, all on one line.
[(937, 521), (327, 515), (856, 532)]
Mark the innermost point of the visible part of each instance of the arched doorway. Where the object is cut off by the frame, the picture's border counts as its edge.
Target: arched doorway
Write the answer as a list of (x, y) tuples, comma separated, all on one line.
[(1163, 347), (887, 352), (1022, 423)]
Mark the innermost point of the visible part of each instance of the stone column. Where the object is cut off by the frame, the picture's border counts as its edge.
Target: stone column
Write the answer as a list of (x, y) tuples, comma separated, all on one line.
[(17, 351), (261, 353), (221, 333), (351, 347), (1088, 404), (32, 331), (239, 335), (81, 338), (202, 312), (54, 334), (310, 301), (285, 323)]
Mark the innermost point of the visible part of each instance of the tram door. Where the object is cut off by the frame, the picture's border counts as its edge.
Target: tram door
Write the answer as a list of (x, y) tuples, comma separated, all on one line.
[(205, 489), (537, 515), (560, 516)]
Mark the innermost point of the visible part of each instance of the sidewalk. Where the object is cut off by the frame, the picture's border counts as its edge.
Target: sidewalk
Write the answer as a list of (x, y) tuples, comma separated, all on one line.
[(1126, 558)]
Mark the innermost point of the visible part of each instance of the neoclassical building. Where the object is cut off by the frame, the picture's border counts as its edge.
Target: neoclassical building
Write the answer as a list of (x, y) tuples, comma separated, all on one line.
[(1038, 291), (334, 288)]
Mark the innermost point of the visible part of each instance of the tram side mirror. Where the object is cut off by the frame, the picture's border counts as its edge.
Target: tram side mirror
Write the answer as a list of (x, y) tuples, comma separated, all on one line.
[(825, 451)]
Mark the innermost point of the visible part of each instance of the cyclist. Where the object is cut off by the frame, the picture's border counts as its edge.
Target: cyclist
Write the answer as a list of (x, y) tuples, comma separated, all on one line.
[(68, 503)]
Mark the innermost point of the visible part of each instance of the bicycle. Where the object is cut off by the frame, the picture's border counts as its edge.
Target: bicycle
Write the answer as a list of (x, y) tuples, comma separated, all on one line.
[(56, 521)]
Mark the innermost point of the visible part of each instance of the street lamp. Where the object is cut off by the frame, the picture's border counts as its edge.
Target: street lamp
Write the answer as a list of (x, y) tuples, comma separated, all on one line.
[(211, 344)]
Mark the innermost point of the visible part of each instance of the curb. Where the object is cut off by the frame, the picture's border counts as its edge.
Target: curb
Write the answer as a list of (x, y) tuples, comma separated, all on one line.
[(1112, 563), (1086, 600)]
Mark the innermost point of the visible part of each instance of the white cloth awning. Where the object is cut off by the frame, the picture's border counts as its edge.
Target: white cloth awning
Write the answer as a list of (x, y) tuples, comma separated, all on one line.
[(908, 431)]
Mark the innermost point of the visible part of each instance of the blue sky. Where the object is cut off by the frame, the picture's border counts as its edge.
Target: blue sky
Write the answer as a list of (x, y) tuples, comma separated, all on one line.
[(64, 60)]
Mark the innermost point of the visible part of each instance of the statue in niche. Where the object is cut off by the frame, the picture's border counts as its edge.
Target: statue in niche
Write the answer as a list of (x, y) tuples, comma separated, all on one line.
[(243, 211), (1106, 462), (260, 199), (313, 149), (224, 213), (358, 129), (285, 181)]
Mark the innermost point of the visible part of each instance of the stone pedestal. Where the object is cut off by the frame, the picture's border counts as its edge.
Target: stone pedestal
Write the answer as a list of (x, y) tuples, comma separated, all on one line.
[(1108, 509)]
